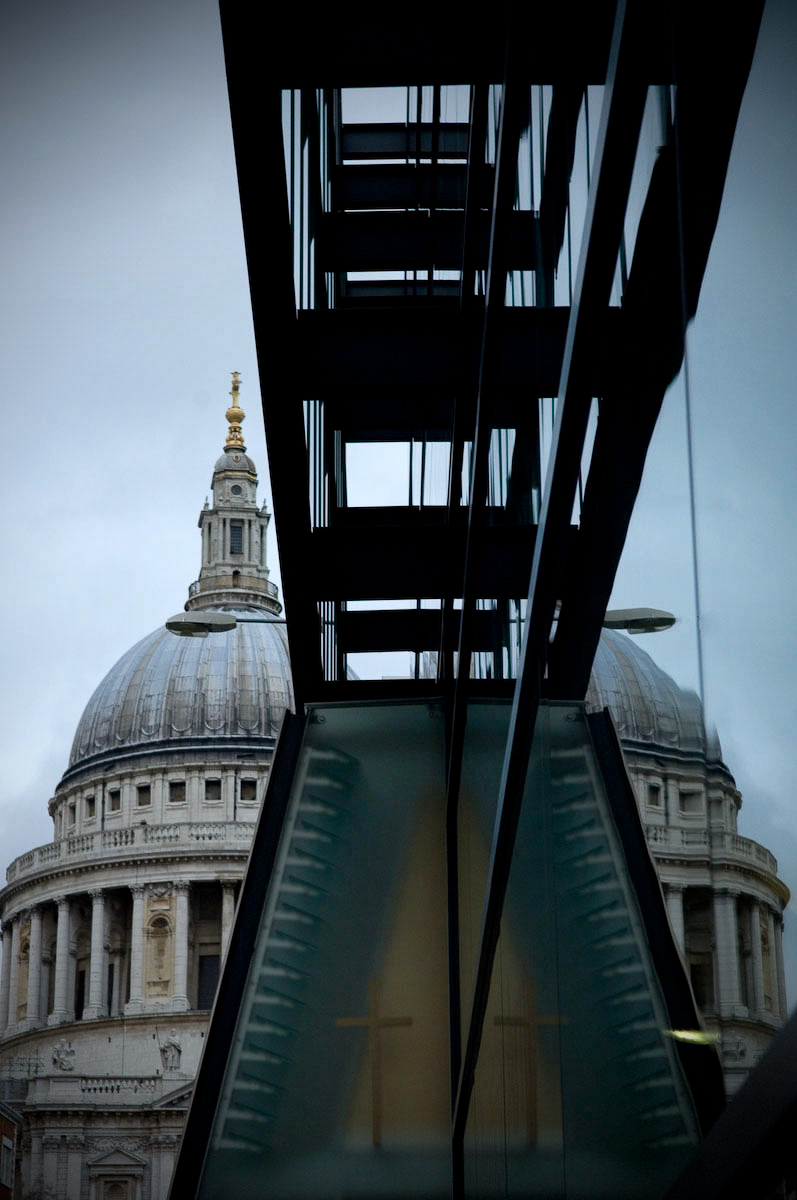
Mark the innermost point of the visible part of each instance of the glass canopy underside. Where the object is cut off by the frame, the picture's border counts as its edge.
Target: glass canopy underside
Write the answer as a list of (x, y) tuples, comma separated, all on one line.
[(338, 1084)]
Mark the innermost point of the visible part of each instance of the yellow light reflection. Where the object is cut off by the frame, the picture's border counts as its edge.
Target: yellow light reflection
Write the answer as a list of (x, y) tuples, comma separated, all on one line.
[(697, 1036)]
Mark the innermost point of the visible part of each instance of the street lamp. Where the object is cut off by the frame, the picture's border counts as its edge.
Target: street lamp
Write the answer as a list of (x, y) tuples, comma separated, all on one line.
[(638, 620), (205, 621)]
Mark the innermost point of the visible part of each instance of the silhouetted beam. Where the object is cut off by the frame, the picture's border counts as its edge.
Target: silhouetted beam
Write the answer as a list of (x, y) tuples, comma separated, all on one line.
[(397, 185), (398, 241), (404, 563), (560, 146), (415, 629), (623, 107), (256, 115), (362, 45), (406, 349), (385, 140)]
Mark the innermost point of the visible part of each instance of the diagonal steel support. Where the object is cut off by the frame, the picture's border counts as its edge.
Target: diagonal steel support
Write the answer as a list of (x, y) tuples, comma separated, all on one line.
[(624, 101)]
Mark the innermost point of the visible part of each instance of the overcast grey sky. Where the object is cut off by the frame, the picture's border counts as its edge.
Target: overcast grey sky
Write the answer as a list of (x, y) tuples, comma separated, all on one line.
[(125, 308)]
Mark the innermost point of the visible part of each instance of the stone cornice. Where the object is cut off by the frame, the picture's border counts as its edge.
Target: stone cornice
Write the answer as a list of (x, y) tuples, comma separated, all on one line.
[(230, 745), (148, 845), (716, 875), (674, 756), (104, 1025)]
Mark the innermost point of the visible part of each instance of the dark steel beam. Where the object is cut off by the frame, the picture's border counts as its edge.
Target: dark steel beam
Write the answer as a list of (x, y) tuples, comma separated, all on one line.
[(624, 101), (359, 45), (385, 141), (415, 629), (388, 185), (405, 562), (560, 148), (407, 349), (397, 293), (399, 241), (256, 117), (513, 108)]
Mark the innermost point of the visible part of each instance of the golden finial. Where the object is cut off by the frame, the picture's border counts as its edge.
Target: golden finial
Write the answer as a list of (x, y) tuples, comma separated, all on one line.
[(235, 414)]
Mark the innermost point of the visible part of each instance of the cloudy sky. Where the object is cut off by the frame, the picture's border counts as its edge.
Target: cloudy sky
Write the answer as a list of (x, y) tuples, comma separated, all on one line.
[(125, 308)]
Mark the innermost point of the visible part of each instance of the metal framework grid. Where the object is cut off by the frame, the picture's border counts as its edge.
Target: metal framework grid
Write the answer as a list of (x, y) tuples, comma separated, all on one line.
[(379, 286)]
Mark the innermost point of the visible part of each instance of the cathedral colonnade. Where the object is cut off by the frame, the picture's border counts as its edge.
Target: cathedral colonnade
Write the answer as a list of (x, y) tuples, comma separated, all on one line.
[(745, 935), (109, 951)]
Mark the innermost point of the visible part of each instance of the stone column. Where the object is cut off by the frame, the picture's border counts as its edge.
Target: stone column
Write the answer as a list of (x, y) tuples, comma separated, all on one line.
[(136, 1002), (726, 952), (60, 1010), (757, 955), (33, 1017), (782, 1002), (180, 988), (227, 913), (773, 963), (13, 986), (673, 802), (6, 979), (32, 1170), (47, 966), (75, 1148), (51, 1145), (193, 792), (228, 798), (674, 893), (96, 1006)]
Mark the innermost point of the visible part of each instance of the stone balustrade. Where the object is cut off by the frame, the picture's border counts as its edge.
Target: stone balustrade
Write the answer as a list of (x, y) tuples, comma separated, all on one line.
[(720, 843), (118, 843), (58, 1088), (107, 1085)]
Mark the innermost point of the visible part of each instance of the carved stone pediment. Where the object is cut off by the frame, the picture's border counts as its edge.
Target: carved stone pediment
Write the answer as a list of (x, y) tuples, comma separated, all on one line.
[(117, 1160), (179, 1098)]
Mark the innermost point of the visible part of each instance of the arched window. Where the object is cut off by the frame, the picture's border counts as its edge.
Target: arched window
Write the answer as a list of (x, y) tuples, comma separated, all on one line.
[(158, 956)]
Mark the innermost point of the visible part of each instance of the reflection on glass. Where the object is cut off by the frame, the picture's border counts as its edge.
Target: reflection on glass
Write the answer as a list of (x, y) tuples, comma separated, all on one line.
[(338, 1082), (578, 1088)]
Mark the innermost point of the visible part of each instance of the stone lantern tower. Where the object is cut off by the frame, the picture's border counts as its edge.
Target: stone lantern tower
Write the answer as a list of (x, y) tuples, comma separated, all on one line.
[(114, 932)]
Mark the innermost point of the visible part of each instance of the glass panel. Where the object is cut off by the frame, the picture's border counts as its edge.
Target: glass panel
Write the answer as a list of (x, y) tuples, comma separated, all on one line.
[(481, 774), (578, 1088), (338, 1081)]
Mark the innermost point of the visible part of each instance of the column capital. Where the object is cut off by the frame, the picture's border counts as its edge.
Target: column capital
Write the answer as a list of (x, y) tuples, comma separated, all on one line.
[(182, 885), (61, 900), (675, 888), (139, 890), (97, 894)]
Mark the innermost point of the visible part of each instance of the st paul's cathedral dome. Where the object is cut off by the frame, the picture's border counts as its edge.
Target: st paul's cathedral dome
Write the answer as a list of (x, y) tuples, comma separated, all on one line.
[(113, 934)]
